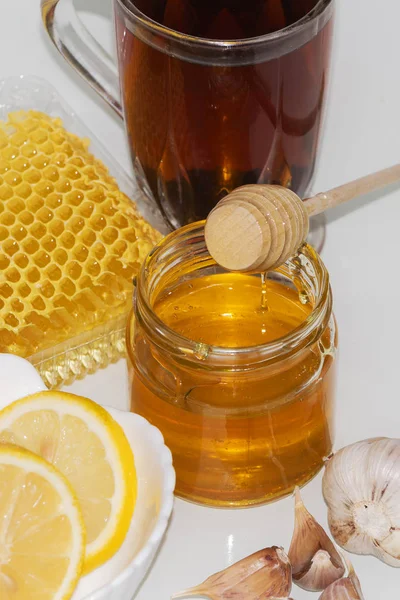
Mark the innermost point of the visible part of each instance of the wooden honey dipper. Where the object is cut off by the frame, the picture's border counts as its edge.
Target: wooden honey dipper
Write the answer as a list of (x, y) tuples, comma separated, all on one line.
[(256, 228)]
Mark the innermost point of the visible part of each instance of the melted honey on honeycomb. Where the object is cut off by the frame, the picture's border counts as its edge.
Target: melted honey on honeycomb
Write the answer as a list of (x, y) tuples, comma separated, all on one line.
[(70, 240)]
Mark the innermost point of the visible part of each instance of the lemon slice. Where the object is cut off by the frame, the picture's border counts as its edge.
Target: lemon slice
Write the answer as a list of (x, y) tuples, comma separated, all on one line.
[(88, 446), (42, 534)]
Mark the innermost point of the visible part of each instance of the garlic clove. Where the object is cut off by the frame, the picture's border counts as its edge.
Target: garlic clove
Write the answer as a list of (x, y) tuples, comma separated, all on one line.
[(265, 574), (361, 486), (315, 561), (347, 588)]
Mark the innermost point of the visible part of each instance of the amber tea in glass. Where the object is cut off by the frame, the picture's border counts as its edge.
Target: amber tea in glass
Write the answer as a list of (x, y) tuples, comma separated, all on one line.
[(204, 116), (215, 93)]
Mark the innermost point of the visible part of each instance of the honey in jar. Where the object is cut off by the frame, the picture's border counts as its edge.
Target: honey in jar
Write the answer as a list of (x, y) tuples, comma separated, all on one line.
[(237, 375)]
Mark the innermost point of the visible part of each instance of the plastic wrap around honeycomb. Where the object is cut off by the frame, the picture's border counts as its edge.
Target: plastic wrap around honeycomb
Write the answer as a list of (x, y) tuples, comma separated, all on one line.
[(70, 245)]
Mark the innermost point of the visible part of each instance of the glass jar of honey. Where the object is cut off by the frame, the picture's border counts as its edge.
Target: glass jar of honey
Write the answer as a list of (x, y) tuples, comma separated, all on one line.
[(236, 370)]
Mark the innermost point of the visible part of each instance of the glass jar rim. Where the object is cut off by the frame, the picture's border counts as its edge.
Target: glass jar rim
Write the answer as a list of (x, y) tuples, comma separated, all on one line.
[(199, 49), (307, 332)]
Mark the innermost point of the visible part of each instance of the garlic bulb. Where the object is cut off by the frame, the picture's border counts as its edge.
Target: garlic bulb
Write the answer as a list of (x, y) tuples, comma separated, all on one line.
[(361, 486), (267, 574), (315, 561), (348, 588)]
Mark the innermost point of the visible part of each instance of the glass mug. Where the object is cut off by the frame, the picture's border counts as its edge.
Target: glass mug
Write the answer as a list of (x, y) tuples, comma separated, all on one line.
[(214, 94)]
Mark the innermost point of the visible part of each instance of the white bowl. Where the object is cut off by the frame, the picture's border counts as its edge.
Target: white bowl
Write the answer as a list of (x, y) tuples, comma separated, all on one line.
[(121, 576)]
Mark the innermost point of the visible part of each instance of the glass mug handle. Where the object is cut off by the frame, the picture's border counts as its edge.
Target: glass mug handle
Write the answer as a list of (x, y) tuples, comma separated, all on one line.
[(81, 50)]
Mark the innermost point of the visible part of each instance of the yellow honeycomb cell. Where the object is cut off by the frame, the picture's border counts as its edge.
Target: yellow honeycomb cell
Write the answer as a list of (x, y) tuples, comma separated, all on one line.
[(32, 175), (18, 232), (20, 260), (26, 217), (70, 244), (7, 219)]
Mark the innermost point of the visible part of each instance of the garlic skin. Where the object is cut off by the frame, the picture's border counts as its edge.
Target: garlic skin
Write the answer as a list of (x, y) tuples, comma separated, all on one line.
[(348, 588), (361, 486), (315, 561), (264, 575)]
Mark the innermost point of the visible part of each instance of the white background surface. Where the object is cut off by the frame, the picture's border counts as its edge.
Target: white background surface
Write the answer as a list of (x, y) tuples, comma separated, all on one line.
[(361, 253)]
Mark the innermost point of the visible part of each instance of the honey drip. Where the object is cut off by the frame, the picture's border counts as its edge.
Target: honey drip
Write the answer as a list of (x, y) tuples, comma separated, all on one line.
[(264, 297), (238, 436)]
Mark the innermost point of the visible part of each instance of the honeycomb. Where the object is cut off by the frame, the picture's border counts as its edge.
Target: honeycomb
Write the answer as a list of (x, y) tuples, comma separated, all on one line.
[(70, 240)]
